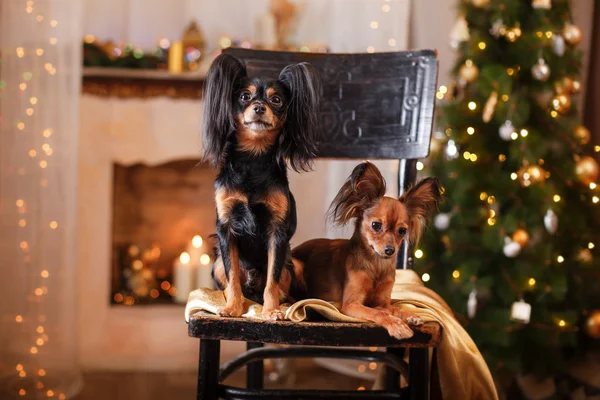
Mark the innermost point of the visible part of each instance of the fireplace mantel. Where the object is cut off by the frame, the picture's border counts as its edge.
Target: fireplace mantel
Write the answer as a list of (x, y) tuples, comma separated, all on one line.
[(139, 83)]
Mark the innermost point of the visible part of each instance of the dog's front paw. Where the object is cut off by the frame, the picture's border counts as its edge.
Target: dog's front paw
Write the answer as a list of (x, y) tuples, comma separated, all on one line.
[(272, 315), (231, 310), (398, 328), (410, 318)]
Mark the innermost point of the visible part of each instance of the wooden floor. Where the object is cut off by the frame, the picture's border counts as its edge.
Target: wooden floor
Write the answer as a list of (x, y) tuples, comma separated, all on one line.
[(181, 386)]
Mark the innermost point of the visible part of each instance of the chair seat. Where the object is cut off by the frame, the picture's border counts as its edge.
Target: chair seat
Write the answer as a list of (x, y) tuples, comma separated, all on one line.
[(204, 325)]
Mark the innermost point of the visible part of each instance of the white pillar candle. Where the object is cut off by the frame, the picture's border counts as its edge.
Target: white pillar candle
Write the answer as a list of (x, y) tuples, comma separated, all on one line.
[(183, 275), (203, 278)]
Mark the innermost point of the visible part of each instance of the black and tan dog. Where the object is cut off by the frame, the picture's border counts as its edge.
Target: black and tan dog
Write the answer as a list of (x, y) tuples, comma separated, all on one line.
[(359, 273), (252, 129)]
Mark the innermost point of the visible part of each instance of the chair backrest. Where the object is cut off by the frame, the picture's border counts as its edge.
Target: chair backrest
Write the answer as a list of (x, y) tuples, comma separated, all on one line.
[(374, 106)]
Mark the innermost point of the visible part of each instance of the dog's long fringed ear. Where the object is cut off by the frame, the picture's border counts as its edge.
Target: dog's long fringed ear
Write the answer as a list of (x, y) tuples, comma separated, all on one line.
[(299, 138), (222, 81), (420, 201), (361, 189)]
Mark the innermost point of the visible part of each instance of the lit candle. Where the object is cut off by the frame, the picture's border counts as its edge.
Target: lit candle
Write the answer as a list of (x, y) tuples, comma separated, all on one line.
[(203, 277), (195, 249), (183, 274)]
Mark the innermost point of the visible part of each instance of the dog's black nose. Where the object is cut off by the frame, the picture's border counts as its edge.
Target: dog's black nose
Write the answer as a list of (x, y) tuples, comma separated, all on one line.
[(389, 250), (259, 108)]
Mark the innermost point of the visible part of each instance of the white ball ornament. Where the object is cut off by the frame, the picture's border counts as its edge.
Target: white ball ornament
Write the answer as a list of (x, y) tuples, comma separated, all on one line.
[(511, 249), (506, 130), (551, 221), (442, 221)]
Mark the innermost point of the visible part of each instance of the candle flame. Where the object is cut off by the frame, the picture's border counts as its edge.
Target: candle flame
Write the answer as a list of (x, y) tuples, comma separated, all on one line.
[(197, 241), (184, 258)]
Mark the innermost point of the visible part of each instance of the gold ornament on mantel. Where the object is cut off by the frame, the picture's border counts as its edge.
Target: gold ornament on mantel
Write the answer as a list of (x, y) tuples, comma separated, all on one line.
[(561, 103), (468, 71), (592, 325), (490, 107), (586, 169), (284, 12), (480, 3), (521, 236), (572, 33), (194, 45), (582, 135), (543, 4)]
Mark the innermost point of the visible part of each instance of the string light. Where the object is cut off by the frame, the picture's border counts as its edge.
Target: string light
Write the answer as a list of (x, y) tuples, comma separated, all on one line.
[(44, 274), (514, 136), (593, 185), (425, 277), (553, 113), (19, 319), (501, 157), (531, 282), (483, 196), (374, 24), (50, 393), (20, 52), (556, 198), (392, 42), (53, 41), (22, 374), (595, 199), (53, 23), (597, 149), (39, 329), (562, 323), (472, 105), (53, 225), (418, 253), (386, 8), (560, 259), (372, 366), (22, 223), (33, 350), (524, 132), (370, 49), (362, 368), (22, 392), (456, 274), (591, 245), (42, 372), (470, 130), (420, 166), (481, 45)]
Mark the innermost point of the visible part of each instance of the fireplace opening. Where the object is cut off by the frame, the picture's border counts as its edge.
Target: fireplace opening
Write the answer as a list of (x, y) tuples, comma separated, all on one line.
[(163, 216)]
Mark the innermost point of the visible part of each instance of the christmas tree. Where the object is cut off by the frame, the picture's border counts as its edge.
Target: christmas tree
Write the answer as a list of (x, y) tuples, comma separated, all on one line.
[(515, 248)]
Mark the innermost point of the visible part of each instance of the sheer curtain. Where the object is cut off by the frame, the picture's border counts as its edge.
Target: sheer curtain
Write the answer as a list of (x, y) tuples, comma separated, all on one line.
[(39, 89)]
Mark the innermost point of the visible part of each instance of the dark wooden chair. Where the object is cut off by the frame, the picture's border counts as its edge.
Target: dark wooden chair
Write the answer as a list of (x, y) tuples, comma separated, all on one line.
[(375, 106)]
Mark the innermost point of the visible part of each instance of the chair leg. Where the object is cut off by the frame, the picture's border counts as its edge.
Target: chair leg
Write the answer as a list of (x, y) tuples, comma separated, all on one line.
[(255, 370), (392, 377), (418, 373), (436, 390), (208, 369)]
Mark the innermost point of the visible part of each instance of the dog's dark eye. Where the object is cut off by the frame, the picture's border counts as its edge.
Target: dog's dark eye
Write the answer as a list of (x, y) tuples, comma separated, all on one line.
[(245, 96), (376, 226), (402, 231), (276, 100)]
